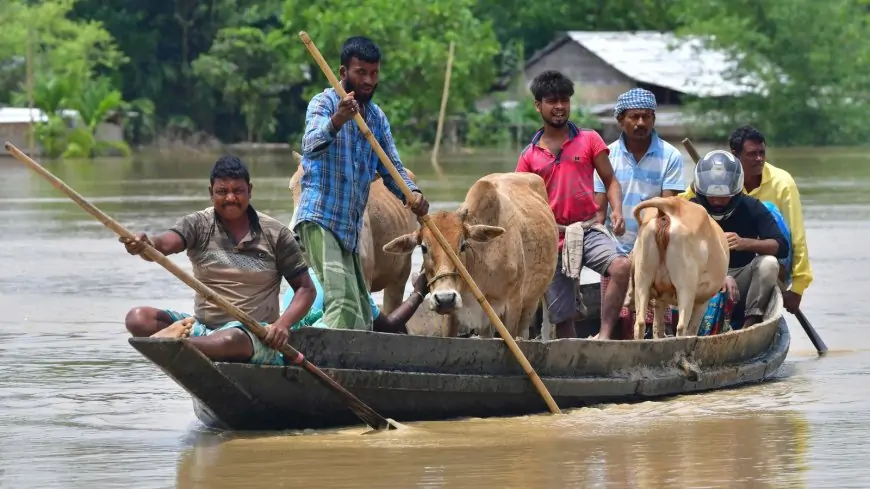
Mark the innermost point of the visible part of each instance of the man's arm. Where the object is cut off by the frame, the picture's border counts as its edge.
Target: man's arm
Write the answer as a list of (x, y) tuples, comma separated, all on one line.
[(673, 182), (292, 266), (605, 172), (397, 321), (600, 198), (389, 146), (304, 294), (184, 234), (168, 243), (790, 206), (770, 239), (320, 131), (601, 202)]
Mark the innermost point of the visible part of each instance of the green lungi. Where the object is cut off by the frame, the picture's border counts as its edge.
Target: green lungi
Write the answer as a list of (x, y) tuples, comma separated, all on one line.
[(345, 295)]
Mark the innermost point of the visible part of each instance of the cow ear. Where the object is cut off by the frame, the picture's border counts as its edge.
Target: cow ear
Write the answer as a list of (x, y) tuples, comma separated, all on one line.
[(462, 214), (482, 233), (402, 245)]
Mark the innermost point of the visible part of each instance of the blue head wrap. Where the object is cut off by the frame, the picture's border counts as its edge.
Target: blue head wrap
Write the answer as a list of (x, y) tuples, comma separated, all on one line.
[(636, 98)]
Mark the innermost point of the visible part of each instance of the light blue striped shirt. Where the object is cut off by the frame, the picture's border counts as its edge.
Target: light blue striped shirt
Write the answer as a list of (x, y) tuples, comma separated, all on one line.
[(661, 168)]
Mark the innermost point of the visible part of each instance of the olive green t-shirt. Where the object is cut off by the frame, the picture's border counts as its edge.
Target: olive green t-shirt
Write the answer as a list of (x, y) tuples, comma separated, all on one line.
[(247, 274)]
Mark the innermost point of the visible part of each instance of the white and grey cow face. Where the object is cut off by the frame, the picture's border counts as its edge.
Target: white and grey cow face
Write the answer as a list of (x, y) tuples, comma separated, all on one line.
[(445, 284)]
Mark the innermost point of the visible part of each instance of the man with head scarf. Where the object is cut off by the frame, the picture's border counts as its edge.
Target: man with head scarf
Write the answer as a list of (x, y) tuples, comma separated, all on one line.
[(645, 166)]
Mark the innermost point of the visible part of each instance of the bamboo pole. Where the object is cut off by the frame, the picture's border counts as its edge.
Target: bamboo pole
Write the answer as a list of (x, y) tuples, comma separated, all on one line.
[(30, 136), (438, 132)]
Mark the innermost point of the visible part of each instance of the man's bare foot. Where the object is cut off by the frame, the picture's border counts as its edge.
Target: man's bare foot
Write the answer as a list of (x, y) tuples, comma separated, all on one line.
[(177, 330)]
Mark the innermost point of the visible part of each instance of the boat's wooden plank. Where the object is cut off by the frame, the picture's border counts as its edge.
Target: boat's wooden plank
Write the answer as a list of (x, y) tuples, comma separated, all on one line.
[(342, 349), (739, 346), (301, 402), (222, 398)]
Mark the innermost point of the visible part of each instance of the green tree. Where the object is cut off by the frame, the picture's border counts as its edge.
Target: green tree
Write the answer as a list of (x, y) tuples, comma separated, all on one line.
[(246, 68), (806, 61), (414, 36)]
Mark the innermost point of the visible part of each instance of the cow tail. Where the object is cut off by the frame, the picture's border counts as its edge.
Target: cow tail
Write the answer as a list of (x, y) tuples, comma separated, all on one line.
[(663, 234), (663, 223)]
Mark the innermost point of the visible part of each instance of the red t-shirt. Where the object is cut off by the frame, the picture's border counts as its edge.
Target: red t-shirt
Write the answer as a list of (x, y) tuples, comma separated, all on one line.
[(569, 178)]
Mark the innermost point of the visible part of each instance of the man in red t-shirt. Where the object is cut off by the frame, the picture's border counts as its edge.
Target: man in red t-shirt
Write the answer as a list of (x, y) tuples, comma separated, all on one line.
[(566, 157)]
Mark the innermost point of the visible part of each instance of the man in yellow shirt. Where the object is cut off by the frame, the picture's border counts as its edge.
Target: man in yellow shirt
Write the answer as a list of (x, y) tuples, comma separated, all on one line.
[(766, 182)]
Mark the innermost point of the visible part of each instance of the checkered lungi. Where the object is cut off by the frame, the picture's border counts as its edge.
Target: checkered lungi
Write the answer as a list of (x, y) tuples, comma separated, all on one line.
[(650, 310)]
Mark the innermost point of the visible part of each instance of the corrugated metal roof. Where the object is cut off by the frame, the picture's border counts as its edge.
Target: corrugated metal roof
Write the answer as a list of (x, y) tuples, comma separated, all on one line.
[(660, 58), (22, 115)]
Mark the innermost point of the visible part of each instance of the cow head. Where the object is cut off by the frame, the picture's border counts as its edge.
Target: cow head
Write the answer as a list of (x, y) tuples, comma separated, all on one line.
[(445, 283)]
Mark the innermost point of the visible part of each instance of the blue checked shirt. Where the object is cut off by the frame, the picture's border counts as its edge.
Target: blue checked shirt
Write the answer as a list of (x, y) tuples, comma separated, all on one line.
[(661, 168), (339, 167)]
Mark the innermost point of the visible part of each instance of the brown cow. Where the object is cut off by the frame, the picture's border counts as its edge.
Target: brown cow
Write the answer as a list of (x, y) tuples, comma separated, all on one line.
[(385, 217), (680, 258), (513, 271)]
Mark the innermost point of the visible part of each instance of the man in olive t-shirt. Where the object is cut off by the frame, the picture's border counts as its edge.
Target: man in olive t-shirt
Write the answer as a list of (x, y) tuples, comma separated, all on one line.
[(242, 255)]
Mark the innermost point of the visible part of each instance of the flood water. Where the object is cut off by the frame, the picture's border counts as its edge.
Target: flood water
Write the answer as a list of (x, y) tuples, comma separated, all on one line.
[(79, 408)]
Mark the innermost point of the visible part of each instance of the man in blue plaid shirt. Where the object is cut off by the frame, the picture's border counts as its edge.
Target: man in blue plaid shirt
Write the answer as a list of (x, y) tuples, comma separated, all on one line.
[(338, 166)]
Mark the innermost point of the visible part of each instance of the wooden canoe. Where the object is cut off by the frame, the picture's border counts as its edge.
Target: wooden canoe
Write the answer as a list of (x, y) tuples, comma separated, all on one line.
[(414, 378)]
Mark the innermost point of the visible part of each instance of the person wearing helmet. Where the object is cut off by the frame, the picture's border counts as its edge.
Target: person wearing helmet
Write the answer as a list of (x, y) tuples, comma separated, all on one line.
[(754, 239)]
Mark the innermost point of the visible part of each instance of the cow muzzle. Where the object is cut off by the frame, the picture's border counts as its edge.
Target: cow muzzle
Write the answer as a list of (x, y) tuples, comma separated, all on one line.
[(445, 301)]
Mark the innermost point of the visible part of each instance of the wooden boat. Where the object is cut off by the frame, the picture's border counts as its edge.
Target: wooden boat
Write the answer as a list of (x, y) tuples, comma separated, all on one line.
[(413, 378)]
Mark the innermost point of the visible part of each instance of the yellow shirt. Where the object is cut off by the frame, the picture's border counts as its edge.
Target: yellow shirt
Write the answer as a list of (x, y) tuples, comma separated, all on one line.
[(777, 186)]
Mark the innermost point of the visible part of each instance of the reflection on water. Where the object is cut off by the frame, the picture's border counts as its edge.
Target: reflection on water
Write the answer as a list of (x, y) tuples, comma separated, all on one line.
[(641, 451), (79, 408)]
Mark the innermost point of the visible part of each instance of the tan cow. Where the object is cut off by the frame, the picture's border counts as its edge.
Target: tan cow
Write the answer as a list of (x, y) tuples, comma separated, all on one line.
[(680, 258), (505, 235), (385, 218)]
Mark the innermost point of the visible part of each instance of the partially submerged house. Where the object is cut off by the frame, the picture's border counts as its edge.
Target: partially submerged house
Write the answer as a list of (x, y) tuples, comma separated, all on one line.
[(605, 64), (15, 124)]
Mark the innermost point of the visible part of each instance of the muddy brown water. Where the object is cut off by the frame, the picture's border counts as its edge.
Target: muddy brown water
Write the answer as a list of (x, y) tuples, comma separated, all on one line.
[(79, 408)]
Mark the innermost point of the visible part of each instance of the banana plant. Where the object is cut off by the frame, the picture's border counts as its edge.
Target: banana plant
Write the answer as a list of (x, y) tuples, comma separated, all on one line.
[(95, 102)]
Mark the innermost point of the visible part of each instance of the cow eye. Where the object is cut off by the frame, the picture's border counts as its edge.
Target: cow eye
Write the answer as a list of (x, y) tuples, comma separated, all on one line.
[(424, 249), (463, 245)]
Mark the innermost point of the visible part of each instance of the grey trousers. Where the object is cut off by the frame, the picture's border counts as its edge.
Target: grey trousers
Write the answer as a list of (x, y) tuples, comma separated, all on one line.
[(756, 283)]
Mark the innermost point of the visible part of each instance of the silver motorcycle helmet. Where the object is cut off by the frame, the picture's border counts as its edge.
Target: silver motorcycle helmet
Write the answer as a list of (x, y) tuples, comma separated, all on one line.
[(719, 174)]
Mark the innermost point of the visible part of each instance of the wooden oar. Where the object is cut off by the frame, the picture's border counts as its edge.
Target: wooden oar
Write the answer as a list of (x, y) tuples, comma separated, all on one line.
[(424, 220), (363, 411), (443, 112), (814, 337)]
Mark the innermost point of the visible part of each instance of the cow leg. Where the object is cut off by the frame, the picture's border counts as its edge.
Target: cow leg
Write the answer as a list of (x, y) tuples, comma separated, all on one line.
[(641, 299), (449, 326), (659, 319), (525, 320), (511, 319), (690, 313), (694, 323)]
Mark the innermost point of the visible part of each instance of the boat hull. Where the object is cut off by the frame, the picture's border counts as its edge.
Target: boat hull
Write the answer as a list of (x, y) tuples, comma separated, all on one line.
[(416, 378)]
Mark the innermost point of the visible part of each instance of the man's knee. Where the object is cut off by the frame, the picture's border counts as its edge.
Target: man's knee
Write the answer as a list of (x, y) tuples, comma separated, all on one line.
[(767, 270), (141, 320), (235, 344), (619, 269)]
